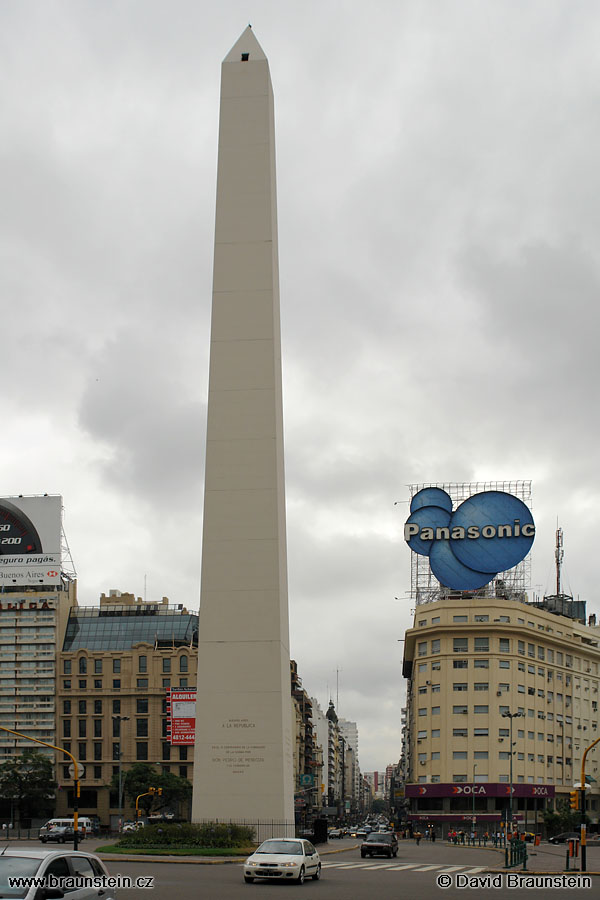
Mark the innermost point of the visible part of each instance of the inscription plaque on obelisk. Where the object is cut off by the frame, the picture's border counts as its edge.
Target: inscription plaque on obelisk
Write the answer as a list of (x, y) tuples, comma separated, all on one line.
[(243, 765)]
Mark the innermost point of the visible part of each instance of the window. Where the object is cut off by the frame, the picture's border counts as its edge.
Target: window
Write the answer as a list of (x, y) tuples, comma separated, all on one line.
[(183, 682), (166, 750), (503, 779), (521, 648), (141, 727), (460, 618), (142, 683), (504, 618), (459, 710), (459, 778), (481, 732), (116, 666), (183, 753), (480, 754), (435, 620), (116, 684), (435, 710), (116, 706), (82, 665), (67, 684), (141, 750), (421, 735), (504, 645), (97, 727), (82, 728), (97, 772), (541, 653), (422, 623), (435, 647), (482, 663), (460, 686), (115, 751), (482, 618), (183, 664), (142, 705), (530, 650), (504, 663), (67, 728), (82, 684), (142, 664), (435, 755), (97, 749), (67, 667), (504, 687), (422, 667), (460, 645), (482, 645), (459, 732), (520, 666), (67, 707), (97, 684), (504, 755), (166, 682), (521, 688), (436, 665), (183, 771), (421, 649), (484, 710), (459, 754), (423, 711), (482, 686), (97, 667), (423, 690), (83, 751), (82, 707), (460, 663), (166, 664), (435, 732), (97, 707)]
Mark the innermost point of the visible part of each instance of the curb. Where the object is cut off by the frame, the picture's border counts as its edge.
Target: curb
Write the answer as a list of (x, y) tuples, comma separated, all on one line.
[(195, 860)]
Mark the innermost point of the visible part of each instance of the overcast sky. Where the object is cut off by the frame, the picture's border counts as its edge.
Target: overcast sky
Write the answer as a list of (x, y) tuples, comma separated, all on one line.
[(438, 186)]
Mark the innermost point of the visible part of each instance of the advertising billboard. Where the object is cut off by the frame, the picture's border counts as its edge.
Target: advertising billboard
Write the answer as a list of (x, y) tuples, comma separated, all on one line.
[(30, 541), (488, 533), (181, 716)]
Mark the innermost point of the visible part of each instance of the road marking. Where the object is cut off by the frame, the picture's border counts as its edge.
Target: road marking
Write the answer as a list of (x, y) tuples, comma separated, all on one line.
[(406, 866), (450, 869), (427, 868), (473, 871), (380, 866)]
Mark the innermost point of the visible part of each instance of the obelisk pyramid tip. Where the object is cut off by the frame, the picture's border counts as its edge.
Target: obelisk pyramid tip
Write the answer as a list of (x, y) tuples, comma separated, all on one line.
[(246, 48)]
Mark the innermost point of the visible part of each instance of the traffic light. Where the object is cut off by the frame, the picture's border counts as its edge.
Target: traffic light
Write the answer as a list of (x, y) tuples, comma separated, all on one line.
[(574, 799), (159, 792)]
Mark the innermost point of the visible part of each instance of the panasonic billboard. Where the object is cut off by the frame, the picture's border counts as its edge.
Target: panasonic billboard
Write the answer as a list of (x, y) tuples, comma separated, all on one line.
[(488, 533)]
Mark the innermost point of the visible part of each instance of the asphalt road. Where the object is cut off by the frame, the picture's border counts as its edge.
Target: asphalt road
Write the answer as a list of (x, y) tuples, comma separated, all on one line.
[(418, 873)]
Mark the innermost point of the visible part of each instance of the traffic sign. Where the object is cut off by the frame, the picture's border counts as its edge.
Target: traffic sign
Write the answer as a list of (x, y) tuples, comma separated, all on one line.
[(80, 770)]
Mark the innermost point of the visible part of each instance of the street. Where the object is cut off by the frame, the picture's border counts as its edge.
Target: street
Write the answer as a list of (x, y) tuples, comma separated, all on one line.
[(345, 876)]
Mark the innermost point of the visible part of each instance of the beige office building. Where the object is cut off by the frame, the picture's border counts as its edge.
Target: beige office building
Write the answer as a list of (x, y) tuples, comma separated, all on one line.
[(117, 663), (480, 670)]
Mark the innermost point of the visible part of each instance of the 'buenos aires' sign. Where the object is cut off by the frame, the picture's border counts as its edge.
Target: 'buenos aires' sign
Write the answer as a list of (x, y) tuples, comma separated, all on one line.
[(488, 533)]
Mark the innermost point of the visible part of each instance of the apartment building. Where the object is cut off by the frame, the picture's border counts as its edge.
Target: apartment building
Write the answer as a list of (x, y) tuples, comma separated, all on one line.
[(117, 662), (499, 691)]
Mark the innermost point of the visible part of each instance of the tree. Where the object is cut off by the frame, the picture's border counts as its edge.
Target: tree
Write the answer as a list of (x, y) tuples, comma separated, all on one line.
[(563, 818), (142, 776), (28, 781)]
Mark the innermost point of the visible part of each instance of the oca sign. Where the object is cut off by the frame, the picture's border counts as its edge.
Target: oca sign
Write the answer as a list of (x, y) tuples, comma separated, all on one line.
[(488, 533)]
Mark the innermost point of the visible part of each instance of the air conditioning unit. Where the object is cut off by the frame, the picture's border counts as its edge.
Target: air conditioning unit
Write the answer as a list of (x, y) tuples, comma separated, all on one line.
[(422, 762), (498, 693)]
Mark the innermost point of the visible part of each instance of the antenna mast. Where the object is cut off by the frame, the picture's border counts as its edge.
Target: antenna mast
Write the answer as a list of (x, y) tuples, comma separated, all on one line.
[(558, 555)]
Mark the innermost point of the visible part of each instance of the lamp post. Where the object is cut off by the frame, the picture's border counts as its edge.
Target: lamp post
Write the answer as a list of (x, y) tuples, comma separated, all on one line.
[(473, 795), (119, 719), (511, 716)]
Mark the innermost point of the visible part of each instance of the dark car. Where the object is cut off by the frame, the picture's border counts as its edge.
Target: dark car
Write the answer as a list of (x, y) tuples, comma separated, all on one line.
[(62, 834), (379, 844), (564, 837)]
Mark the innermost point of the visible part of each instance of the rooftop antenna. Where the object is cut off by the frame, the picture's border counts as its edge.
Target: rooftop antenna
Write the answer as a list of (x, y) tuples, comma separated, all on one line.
[(558, 555)]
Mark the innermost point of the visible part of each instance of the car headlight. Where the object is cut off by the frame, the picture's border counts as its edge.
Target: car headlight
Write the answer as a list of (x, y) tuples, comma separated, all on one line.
[(248, 863), (288, 865)]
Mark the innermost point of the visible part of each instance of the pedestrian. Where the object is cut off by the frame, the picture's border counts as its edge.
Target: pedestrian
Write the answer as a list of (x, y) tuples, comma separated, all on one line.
[(432, 836), (418, 837)]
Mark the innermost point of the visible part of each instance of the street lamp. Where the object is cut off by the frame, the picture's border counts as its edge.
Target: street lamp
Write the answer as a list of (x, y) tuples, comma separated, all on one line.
[(473, 794), (511, 716), (120, 719)]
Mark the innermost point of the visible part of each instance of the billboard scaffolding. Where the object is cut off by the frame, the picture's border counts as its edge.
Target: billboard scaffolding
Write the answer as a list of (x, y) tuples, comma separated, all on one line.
[(512, 585)]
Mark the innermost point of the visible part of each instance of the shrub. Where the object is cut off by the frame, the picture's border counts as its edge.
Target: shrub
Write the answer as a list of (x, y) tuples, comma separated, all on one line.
[(188, 835)]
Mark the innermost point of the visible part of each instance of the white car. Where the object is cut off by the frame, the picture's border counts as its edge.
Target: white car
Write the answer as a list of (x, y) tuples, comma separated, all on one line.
[(293, 858), (57, 864)]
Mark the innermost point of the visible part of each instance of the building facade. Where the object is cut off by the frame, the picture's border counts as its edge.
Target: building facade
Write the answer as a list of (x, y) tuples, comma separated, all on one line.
[(116, 665), (500, 693)]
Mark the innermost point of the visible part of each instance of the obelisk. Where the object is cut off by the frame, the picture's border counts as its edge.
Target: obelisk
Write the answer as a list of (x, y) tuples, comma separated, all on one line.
[(243, 765)]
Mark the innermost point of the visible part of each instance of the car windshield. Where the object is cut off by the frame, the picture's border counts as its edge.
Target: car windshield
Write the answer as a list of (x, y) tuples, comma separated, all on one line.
[(291, 848), (376, 838), (13, 867)]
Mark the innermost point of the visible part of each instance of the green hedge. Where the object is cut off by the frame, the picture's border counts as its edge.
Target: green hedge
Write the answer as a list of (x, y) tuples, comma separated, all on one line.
[(188, 835)]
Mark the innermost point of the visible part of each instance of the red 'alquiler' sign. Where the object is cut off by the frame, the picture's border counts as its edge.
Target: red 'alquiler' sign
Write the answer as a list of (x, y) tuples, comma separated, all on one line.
[(181, 711)]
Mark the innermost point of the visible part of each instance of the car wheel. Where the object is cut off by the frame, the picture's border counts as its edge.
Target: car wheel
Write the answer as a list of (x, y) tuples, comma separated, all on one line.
[(248, 879), (395, 853), (61, 840), (300, 878), (390, 855), (362, 854), (317, 874)]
